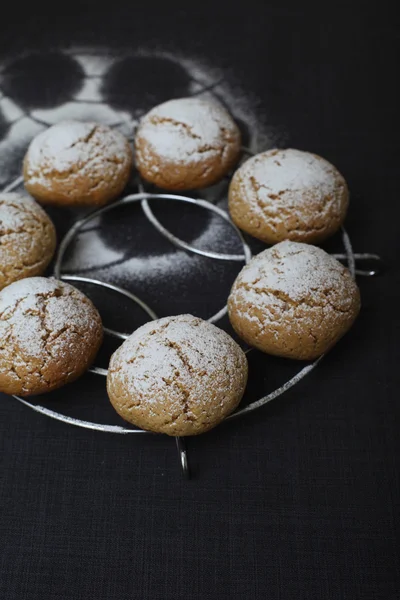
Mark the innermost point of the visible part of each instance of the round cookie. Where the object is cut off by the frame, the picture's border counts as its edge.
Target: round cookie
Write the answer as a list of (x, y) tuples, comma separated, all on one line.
[(75, 163), (27, 238), (178, 375), (49, 335), (293, 300), (186, 143), (288, 195)]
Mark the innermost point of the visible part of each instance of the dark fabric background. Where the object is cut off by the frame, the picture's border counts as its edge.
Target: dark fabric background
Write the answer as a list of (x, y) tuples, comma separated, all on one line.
[(301, 499)]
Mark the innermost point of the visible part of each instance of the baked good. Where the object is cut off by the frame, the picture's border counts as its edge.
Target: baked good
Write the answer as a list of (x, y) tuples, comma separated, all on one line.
[(288, 195), (75, 163), (27, 238), (177, 375), (186, 143), (293, 300), (49, 335)]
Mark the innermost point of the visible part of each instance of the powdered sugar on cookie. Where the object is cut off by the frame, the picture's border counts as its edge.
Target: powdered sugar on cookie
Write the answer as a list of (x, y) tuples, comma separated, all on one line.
[(76, 163), (49, 332), (288, 170), (288, 194), (186, 143), (74, 145), (27, 238), (181, 130), (297, 271), (293, 300), (178, 375)]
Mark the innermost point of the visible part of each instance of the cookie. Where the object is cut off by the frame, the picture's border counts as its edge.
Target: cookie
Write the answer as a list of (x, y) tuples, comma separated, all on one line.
[(293, 300), (27, 238), (178, 375), (74, 163), (49, 335), (186, 144), (288, 195)]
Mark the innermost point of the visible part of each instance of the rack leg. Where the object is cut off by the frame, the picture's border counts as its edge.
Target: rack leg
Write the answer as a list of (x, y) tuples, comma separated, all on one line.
[(183, 457)]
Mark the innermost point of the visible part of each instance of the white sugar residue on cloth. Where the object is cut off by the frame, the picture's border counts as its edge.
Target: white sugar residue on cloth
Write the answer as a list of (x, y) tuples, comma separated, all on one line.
[(89, 104), (90, 254), (13, 147), (82, 111), (241, 103)]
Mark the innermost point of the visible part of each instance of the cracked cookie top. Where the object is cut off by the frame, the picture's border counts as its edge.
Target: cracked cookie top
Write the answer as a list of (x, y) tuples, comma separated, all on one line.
[(293, 300), (177, 375), (186, 143), (27, 238), (76, 163), (288, 195), (50, 333)]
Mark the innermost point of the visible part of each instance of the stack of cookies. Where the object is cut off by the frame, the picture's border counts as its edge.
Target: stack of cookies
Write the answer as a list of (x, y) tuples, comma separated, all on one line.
[(178, 375)]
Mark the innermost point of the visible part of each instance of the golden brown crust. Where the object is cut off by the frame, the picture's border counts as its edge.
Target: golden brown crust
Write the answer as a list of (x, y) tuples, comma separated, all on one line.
[(288, 195), (185, 144), (293, 300), (178, 375), (75, 163), (27, 238), (49, 335)]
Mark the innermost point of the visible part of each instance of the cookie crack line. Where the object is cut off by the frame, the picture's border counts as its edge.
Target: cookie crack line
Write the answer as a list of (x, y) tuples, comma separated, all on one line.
[(46, 176), (84, 139), (47, 364), (14, 309), (257, 186), (284, 297), (18, 230), (24, 266), (156, 120), (274, 219), (24, 213), (181, 355), (191, 371), (193, 154)]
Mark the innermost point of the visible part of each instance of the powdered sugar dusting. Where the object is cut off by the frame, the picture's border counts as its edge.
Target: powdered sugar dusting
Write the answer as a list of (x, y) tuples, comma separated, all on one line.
[(37, 309), (278, 170), (184, 130), (204, 346), (296, 270), (282, 172), (74, 145), (15, 211), (12, 213), (27, 238), (293, 300), (288, 194), (180, 365), (91, 254), (96, 64)]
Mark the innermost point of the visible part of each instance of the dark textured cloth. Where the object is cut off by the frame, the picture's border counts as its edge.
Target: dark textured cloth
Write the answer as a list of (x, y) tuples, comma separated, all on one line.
[(300, 499)]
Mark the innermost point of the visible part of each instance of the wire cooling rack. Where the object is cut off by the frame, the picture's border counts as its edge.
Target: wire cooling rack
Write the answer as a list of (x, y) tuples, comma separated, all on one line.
[(200, 83), (353, 260)]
